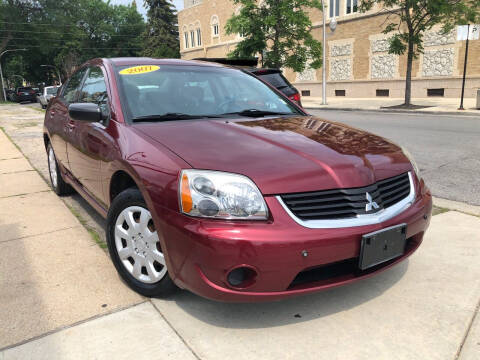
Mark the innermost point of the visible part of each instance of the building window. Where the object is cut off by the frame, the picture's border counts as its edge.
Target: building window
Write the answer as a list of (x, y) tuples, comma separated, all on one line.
[(334, 8), (186, 40), (383, 92), (215, 26), (351, 6), (192, 38), (199, 37), (436, 92)]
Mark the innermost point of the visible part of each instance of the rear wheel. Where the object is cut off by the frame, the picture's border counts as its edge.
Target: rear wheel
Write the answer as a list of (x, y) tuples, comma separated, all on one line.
[(58, 184), (134, 246)]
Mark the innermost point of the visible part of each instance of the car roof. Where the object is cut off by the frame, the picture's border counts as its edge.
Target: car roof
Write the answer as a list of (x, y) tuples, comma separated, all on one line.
[(151, 61)]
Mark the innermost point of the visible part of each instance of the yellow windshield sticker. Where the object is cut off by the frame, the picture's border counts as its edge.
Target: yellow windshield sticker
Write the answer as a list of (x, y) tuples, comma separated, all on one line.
[(139, 70)]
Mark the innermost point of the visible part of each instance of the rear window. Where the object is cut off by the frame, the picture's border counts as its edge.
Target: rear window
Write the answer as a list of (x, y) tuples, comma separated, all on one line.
[(275, 79), (25, 89)]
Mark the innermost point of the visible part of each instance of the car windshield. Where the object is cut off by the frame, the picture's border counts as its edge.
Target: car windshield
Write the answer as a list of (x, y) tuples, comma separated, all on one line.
[(185, 92), (52, 91), (24, 89)]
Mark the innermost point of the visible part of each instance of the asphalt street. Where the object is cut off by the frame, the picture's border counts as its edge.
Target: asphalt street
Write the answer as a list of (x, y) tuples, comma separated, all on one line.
[(446, 147)]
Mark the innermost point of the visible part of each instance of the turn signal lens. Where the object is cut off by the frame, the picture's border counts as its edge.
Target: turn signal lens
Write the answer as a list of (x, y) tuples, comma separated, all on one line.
[(187, 203)]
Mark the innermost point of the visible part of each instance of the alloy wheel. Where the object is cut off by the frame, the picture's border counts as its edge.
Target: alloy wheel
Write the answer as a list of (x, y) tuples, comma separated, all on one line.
[(52, 167), (138, 245)]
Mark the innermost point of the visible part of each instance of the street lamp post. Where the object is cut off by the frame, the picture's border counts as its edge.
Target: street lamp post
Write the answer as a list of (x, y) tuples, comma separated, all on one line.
[(58, 72), (333, 26), (1, 72)]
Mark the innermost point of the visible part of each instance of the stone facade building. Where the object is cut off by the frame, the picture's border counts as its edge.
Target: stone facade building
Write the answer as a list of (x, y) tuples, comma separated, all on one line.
[(358, 63)]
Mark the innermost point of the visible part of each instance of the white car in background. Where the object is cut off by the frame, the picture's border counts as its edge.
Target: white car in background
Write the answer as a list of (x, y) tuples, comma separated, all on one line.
[(49, 92)]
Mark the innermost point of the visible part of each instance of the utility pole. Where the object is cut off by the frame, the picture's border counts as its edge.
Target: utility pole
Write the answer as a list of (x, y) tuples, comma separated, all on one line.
[(324, 56), (464, 68), (333, 26)]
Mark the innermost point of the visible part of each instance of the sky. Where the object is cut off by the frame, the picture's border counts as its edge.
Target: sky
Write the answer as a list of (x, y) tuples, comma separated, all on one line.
[(178, 4)]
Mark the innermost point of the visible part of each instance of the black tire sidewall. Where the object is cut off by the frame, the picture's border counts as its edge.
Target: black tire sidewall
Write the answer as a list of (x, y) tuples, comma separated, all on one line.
[(132, 197)]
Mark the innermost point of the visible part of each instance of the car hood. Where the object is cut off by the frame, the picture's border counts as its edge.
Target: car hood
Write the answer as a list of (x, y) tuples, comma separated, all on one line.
[(285, 154)]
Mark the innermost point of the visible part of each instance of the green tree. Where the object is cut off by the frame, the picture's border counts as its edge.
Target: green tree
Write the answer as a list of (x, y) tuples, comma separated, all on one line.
[(161, 34), (279, 30), (409, 19), (66, 33)]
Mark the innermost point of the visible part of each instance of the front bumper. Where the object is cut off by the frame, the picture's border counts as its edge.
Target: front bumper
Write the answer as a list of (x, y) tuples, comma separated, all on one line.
[(201, 253)]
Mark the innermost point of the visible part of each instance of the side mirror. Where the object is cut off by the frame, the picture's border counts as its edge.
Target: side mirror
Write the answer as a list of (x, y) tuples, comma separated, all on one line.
[(85, 112)]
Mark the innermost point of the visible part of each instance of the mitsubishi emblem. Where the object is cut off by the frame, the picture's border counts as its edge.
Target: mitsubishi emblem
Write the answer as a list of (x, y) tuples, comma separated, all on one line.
[(370, 203)]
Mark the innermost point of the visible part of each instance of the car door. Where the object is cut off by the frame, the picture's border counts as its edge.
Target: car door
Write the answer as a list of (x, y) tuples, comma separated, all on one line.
[(89, 141), (59, 119)]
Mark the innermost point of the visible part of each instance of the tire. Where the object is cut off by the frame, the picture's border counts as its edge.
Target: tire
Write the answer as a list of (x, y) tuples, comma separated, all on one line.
[(134, 246), (58, 184), (44, 107)]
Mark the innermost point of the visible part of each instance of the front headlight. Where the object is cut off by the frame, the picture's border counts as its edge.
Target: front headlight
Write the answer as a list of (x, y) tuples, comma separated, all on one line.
[(215, 194), (412, 161)]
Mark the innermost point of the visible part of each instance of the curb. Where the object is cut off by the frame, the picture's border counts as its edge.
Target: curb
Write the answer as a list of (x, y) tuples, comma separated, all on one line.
[(457, 206), (400, 111)]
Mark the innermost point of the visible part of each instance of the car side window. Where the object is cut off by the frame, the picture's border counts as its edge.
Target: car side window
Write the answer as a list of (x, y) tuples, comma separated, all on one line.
[(94, 90), (69, 94)]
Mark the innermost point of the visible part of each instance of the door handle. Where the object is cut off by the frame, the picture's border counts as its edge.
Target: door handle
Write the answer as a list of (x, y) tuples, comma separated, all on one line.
[(70, 125)]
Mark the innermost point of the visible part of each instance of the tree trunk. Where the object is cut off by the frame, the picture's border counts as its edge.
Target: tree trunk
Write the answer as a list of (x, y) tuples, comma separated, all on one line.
[(408, 77)]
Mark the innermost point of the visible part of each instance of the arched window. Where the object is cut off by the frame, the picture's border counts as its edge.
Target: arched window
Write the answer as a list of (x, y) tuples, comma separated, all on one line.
[(192, 36), (198, 30), (215, 26), (185, 37)]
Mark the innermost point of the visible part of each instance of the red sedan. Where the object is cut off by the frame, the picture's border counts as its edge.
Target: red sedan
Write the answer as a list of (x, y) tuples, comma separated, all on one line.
[(213, 181)]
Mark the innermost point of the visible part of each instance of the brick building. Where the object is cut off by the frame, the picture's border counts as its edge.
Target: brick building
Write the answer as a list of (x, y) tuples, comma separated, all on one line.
[(358, 63)]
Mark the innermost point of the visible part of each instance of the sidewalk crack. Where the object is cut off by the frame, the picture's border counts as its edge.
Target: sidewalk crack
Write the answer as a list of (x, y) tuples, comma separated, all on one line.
[(39, 234), (465, 337), (175, 331)]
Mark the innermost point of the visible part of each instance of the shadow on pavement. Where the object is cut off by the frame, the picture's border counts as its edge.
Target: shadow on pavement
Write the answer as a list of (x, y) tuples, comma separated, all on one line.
[(293, 310)]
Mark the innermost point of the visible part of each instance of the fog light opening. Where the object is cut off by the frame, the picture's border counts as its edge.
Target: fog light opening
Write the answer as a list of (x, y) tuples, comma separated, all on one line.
[(241, 277)]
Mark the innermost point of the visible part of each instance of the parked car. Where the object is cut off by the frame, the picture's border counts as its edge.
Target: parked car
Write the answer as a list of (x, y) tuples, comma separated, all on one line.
[(272, 76), (49, 92), (213, 181), (275, 78), (11, 95), (25, 94), (8, 93)]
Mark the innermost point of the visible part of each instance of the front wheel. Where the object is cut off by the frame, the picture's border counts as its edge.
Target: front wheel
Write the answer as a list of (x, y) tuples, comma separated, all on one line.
[(134, 246), (58, 184)]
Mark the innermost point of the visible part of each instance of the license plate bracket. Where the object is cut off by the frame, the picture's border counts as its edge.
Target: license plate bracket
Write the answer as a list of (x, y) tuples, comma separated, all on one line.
[(382, 245)]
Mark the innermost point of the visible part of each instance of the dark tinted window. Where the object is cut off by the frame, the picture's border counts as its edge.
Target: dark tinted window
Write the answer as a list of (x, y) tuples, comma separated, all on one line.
[(94, 90), (276, 80), (25, 89), (73, 86)]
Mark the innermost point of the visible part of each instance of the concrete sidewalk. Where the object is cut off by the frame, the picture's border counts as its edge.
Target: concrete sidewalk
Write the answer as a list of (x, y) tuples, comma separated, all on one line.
[(52, 274), (438, 105), (60, 297)]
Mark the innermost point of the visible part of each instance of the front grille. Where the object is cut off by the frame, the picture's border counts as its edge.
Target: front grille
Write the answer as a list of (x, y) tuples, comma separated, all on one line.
[(348, 203)]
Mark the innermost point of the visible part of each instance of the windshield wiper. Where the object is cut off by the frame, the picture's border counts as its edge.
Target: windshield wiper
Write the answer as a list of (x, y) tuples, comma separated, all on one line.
[(171, 117), (257, 113)]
